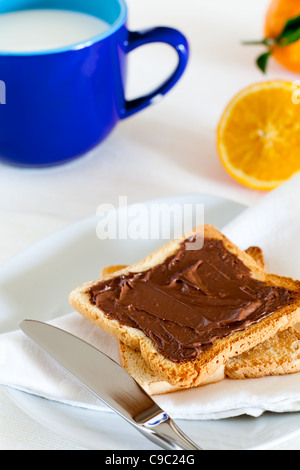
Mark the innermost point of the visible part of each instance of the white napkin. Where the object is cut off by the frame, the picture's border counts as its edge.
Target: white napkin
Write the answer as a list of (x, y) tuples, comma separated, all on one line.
[(274, 225)]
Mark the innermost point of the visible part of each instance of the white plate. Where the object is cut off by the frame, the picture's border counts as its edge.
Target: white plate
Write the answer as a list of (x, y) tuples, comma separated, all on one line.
[(36, 284)]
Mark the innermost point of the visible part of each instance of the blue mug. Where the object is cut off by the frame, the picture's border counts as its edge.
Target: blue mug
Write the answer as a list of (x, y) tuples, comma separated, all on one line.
[(55, 105)]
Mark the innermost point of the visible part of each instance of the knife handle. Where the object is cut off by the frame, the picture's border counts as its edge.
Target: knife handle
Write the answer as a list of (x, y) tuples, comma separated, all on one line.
[(168, 435)]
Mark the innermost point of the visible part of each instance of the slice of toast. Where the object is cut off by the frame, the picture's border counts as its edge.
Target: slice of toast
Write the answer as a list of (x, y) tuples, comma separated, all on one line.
[(279, 355), (194, 372)]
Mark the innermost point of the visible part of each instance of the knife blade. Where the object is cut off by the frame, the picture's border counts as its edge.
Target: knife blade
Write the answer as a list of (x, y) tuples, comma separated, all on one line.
[(110, 383)]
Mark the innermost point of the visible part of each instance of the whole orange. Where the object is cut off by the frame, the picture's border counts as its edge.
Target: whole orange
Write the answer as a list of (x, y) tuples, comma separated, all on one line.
[(278, 13)]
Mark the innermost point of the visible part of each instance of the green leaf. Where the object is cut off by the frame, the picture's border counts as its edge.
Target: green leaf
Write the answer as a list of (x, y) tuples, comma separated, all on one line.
[(263, 60), (290, 33)]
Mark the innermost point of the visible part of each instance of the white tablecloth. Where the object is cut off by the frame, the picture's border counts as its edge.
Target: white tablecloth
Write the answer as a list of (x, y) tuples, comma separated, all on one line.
[(165, 150)]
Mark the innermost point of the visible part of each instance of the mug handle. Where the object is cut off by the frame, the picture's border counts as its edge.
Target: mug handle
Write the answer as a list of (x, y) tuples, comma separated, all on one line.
[(159, 34)]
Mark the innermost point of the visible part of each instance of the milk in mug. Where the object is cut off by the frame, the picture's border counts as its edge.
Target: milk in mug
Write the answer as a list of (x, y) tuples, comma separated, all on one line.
[(45, 29)]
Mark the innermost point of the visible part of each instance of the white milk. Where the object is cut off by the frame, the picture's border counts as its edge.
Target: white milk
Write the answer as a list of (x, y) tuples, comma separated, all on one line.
[(41, 30)]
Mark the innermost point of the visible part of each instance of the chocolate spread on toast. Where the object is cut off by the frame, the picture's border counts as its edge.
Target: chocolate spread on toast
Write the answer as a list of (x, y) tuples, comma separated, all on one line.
[(194, 297)]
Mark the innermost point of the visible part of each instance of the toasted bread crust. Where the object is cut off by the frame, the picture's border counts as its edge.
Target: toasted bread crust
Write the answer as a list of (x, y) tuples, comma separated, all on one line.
[(193, 373), (257, 254)]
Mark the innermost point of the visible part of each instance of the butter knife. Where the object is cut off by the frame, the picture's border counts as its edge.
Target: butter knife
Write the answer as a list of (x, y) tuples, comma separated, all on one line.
[(109, 382)]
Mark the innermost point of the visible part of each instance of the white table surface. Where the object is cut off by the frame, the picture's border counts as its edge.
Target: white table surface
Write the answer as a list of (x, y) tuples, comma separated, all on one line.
[(165, 150)]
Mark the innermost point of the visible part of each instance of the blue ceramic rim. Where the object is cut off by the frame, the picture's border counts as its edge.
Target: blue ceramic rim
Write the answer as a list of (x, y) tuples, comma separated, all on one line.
[(115, 26)]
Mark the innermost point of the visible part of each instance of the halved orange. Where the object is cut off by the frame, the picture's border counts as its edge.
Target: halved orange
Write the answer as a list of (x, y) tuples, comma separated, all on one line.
[(259, 134)]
